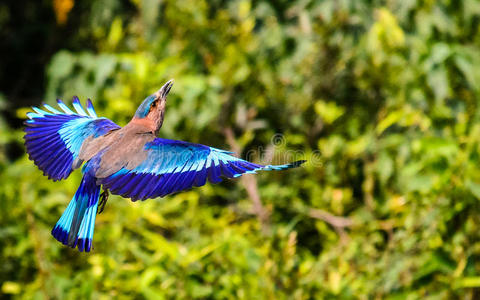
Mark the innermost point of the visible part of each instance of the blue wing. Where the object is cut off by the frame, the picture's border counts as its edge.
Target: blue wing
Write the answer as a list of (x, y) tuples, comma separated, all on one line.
[(53, 138), (171, 166)]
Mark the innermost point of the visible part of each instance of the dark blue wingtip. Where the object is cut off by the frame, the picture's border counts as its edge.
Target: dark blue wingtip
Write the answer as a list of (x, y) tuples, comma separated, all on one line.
[(294, 164), (297, 163)]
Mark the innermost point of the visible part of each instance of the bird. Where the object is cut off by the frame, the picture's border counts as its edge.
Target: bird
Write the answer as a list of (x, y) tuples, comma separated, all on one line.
[(130, 161)]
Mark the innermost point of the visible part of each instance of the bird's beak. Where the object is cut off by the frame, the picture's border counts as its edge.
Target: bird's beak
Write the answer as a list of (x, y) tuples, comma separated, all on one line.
[(165, 89)]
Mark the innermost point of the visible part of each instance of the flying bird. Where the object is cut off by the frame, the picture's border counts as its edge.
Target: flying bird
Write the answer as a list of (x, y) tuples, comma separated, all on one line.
[(130, 161)]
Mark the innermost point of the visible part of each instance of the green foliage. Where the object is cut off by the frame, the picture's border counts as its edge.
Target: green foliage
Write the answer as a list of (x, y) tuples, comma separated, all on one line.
[(380, 98)]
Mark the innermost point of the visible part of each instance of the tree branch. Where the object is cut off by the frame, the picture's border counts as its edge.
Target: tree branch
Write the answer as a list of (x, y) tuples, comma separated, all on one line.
[(335, 221), (250, 183)]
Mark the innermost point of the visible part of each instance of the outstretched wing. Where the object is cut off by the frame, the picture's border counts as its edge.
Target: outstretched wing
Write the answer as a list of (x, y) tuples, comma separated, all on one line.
[(171, 166), (53, 138)]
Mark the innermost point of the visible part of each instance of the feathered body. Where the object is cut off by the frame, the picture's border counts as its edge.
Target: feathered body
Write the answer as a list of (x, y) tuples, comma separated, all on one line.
[(130, 161)]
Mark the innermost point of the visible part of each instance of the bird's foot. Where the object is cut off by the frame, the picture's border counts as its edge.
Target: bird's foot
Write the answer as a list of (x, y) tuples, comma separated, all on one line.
[(103, 201)]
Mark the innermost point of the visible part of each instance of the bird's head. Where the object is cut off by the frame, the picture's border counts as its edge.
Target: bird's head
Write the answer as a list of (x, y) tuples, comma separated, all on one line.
[(152, 109)]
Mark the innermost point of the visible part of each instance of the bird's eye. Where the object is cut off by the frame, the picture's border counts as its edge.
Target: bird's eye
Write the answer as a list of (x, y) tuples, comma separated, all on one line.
[(154, 103)]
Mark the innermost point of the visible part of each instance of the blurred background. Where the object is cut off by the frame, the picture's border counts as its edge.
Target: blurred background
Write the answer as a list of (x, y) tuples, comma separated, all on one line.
[(381, 98)]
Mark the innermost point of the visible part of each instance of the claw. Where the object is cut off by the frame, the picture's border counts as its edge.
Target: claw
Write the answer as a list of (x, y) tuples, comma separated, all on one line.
[(103, 201)]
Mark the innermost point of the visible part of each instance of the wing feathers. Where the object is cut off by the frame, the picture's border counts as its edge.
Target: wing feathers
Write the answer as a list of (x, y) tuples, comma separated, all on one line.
[(172, 166), (65, 108), (40, 112), (53, 138), (32, 115), (78, 107), (51, 109), (141, 191), (142, 181), (155, 191), (90, 109)]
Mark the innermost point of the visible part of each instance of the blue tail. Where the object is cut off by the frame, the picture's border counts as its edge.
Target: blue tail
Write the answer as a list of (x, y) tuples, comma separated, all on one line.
[(75, 227)]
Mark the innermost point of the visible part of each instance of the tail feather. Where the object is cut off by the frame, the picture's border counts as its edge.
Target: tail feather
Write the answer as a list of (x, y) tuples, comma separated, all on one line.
[(75, 227)]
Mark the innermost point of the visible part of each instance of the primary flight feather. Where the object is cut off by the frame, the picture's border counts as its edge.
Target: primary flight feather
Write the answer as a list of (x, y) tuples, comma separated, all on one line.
[(130, 161)]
